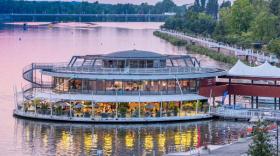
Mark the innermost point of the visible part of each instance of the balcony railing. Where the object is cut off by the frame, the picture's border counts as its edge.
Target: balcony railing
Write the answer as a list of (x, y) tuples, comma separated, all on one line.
[(63, 67), (135, 71), (91, 92)]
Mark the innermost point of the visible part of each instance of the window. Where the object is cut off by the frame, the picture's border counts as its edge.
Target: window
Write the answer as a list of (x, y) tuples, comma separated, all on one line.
[(171, 86)]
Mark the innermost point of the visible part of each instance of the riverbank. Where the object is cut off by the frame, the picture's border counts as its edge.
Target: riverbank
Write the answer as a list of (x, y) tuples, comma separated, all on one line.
[(90, 25), (196, 48)]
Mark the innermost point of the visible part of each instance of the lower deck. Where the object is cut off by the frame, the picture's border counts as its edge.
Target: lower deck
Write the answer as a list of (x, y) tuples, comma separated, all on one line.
[(57, 118)]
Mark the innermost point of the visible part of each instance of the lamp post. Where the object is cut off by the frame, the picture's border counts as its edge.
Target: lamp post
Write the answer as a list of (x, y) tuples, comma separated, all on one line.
[(277, 136)]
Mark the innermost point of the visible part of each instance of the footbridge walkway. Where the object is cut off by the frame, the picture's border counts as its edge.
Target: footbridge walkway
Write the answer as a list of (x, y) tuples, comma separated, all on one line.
[(269, 115), (261, 57)]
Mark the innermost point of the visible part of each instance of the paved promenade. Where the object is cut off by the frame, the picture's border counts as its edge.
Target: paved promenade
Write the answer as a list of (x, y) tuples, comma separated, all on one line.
[(235, 149)]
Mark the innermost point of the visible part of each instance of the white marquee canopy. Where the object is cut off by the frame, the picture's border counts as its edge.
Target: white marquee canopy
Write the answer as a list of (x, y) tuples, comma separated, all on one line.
[(265, 70)]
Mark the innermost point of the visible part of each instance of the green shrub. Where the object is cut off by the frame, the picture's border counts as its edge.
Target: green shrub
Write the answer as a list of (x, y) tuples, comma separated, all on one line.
[(274, 46), (173, 40)]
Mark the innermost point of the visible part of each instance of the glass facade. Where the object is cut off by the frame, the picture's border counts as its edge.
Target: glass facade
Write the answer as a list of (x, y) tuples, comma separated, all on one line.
[(120, 87), (116, 109)]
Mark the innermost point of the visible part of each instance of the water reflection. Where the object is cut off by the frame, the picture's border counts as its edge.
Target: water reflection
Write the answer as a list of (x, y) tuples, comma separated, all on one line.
[(39, 138)]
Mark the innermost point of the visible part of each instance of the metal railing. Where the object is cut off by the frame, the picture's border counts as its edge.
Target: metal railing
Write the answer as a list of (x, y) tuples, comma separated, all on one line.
[(48, 90), (62, 67), (64, 117), (246, 113)]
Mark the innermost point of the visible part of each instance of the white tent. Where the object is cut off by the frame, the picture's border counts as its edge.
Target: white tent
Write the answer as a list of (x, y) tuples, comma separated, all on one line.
[(265, 70)]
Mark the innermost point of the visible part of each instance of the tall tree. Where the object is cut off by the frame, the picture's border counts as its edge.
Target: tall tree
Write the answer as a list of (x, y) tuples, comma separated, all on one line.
[(275, 7), (261, 145), (196, 6), (241, 16), (225, 4), (165, 6), (212, 8), (264, 26), (203, 4)]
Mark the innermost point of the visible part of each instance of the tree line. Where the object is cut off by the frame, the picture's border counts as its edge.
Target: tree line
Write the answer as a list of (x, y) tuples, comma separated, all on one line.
[(60, 7), (243, 23)]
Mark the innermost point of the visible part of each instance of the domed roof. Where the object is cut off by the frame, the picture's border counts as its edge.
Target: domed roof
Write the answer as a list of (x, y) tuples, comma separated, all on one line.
[(134, 54)]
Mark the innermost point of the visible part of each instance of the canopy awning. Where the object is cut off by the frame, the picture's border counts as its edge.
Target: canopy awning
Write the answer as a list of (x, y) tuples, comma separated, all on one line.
[(265, 70)]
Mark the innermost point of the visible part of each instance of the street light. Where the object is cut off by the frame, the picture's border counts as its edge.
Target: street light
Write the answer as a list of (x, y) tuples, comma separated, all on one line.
[(277, 136)]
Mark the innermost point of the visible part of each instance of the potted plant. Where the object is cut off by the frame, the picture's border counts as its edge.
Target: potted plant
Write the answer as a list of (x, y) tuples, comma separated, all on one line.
[(123, 111), (175, 111)]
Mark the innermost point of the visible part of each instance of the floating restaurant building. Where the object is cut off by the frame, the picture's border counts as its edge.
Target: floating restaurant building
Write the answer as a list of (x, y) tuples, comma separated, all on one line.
[(125, 86)]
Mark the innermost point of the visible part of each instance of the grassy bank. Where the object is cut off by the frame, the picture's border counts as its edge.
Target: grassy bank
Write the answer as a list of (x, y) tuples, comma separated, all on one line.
[(173, 40), (212, 54), (197, 49)]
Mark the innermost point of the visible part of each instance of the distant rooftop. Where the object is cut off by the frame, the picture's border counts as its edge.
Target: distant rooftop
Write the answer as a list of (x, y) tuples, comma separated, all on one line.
[(134, 54), (134, 59)]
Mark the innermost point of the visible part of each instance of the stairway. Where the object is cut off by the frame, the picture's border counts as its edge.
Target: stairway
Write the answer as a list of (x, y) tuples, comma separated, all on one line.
[(29, 74)]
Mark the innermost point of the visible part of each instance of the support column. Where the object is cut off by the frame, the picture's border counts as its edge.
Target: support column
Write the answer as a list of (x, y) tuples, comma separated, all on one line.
[(234, 100), (41, 81), (16, 98), (51, 109), (275, 103), (92, 109), (275, 99), (279, 103), (160, 109), (229, 95), (35, 108), (196, 106), (180, 111), (257, 102), (213, 102), (51, 103), (252, 97), (70, 109), (139, 107), (252, 102), (117, 107)]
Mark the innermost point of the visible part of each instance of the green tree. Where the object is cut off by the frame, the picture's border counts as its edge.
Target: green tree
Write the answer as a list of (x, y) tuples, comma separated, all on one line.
[(205, 24), (43, 7), (198, 6), (225, 4), (212, 8), (275, 7), (223, 26), (241, 16), (274, 46), (264, 26), (260, 5), (220, 31), (165, 6), (261, 145)]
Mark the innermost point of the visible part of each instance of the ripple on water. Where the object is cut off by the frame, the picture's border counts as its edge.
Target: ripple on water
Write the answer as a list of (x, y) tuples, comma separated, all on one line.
[(40, 138)]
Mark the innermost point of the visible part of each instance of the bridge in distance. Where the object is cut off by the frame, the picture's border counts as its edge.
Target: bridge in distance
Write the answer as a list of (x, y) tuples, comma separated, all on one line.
[(85, 17)]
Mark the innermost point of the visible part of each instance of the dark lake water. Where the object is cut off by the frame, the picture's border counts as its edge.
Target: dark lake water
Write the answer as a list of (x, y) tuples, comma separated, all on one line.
[(19, 48)]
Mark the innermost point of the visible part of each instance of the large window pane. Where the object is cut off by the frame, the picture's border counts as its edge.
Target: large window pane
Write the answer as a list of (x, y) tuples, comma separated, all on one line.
[(171, 86)]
